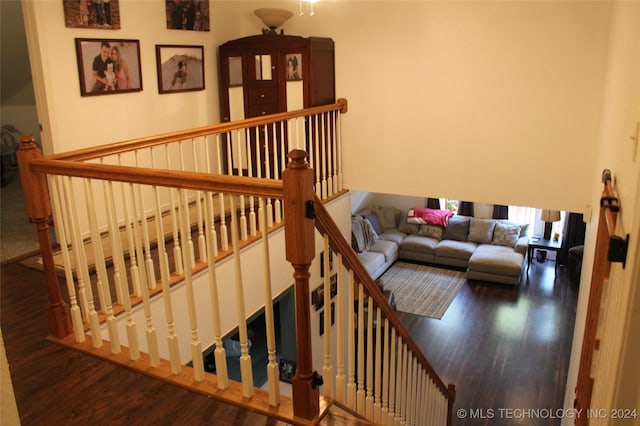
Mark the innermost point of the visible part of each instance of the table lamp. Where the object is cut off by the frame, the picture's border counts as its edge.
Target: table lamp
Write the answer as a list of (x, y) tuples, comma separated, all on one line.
[(548, 217)]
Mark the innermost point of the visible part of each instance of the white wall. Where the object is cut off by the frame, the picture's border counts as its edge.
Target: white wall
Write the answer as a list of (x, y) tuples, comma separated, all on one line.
[(504, 95), (615, 379)]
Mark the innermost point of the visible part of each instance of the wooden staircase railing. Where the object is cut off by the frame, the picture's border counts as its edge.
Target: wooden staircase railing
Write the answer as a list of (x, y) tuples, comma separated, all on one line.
[(166, 207), (373, 394)]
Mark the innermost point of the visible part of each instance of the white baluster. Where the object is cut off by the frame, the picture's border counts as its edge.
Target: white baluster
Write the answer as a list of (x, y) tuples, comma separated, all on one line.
[(340, 376), (196, 346), (315, 137), (219, 351), (177, 249), (272, 364), (102, 282), (144, 225), (398, 385), (403, 385), (361, 393), (114, 234), (377, 406), (334, 149), (327, 370), (252, 214), (137, 241), (121, 284), (323, 145), (202, 247), (188, 242), (386, 352), (163, 256), (351, 357), (58, 214), (268, 172), (85, 293), (369, 379), (392, 378), (339, 151), (150, 331), (210, 233), (245, 359)]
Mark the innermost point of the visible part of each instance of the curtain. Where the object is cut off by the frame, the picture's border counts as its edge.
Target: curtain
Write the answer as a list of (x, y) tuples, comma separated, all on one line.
[(500, 211), (433, 203), (465, 208), (572, 235)]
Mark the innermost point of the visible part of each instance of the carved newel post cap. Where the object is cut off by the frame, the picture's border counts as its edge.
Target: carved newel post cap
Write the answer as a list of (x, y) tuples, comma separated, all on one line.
[(298, 159)]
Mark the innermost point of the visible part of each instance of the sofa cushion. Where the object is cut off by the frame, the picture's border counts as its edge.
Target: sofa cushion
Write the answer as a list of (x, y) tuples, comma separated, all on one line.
[(388, 248), (408, 228), (425, 245), (393, 235), (455, 249), (433, 231), (481, 230), (506, 234), (371, 260), (499, 260), (457, 229)]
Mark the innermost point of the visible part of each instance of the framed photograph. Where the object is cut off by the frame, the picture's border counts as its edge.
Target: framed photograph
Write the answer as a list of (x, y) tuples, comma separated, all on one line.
[(191, 15), (287, 370), (108, 66), (180, 68), (92, 14), (294, 66)]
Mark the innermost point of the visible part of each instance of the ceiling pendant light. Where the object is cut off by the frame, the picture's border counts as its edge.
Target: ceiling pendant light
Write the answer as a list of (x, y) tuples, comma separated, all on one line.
[(311, 12)]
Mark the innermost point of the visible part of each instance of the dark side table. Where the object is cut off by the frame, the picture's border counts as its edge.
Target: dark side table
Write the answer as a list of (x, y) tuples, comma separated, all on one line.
[(542, 245)]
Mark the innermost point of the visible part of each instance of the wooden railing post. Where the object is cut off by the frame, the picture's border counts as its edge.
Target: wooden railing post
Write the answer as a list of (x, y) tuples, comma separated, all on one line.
[(38, 206), (297, 182)]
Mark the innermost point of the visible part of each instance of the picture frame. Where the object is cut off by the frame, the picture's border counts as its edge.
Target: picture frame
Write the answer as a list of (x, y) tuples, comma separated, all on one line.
[(180, 68), (108, 66), (91, 14), (287, 370), (187, 15), (293, 66)]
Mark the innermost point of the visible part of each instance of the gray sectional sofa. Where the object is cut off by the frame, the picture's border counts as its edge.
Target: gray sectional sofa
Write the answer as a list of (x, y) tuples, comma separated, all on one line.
[(489, 249)]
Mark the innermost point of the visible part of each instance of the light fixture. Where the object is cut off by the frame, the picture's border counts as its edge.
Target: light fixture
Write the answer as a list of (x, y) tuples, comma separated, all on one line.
[(273, 18), (548, 217), (311, 2)]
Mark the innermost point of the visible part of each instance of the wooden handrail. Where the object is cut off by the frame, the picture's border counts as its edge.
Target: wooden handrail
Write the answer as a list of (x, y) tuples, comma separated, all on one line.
[(148, 142), (241, 185), (326, 225)]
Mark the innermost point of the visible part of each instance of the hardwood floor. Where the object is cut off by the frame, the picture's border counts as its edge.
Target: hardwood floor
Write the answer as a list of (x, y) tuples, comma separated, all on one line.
[(504, 347)]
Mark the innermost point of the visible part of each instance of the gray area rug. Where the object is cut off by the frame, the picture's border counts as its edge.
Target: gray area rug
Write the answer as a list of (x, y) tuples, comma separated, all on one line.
[(423, 290)]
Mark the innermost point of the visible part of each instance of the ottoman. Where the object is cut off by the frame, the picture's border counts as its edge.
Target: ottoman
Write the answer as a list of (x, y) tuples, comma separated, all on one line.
[(496, 263)]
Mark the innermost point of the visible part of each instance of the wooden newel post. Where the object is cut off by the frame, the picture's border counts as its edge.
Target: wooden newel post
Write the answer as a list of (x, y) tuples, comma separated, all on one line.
[(299, 231), (36, 197)]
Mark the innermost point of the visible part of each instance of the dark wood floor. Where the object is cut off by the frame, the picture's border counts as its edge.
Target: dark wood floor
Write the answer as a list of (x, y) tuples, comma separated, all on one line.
[(503, 347)]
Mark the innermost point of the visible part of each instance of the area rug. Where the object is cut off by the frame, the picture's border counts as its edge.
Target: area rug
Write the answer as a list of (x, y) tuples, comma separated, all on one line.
[(423, 290)]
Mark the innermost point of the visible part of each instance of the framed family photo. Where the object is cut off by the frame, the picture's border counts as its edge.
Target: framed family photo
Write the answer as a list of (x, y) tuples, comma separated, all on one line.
[(102, 14), (108, 66), (180, 68), (191, 15)]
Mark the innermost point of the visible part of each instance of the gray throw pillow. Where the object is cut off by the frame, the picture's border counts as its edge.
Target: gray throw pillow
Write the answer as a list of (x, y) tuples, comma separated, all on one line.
[(506, 234), (457, 229), (481, 230), (373, 219), (386, 217)]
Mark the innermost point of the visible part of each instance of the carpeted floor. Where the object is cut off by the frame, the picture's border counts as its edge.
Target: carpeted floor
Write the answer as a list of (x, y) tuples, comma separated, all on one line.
[(421, 289), (17, 236)]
